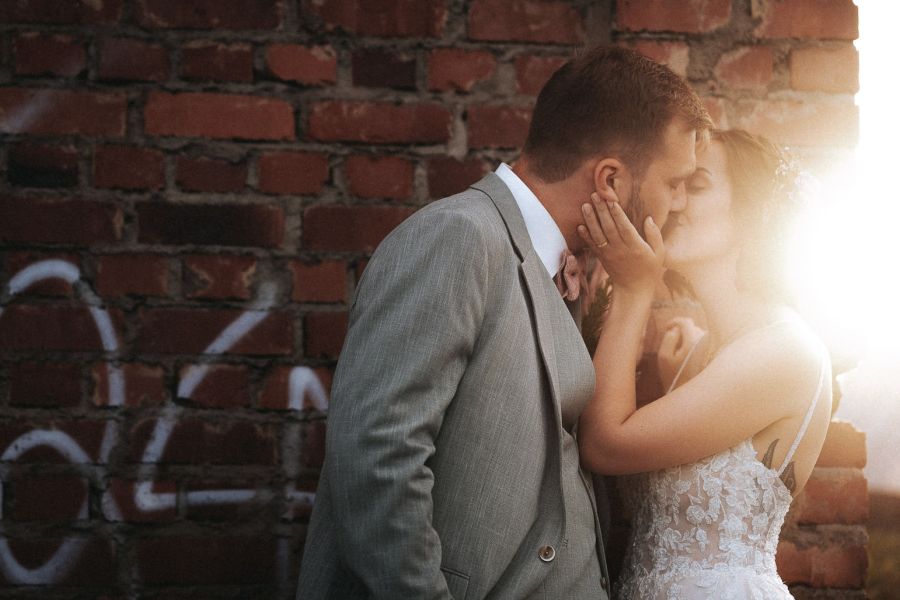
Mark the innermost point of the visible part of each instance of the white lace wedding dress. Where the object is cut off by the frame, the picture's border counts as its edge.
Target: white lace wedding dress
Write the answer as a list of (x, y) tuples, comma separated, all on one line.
[(708, 530)]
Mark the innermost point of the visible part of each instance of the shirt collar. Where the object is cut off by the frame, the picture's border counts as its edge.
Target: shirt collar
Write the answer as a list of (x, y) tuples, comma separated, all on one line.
[(546, 238)]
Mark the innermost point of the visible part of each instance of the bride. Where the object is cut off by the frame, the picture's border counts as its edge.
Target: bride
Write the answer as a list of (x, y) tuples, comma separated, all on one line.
[(714, 463)]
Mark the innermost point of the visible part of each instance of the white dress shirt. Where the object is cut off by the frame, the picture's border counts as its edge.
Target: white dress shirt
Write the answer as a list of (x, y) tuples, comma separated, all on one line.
[(548, 241)]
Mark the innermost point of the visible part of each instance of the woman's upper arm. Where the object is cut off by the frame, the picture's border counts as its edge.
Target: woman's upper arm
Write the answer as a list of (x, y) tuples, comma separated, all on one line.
[(750, 385)]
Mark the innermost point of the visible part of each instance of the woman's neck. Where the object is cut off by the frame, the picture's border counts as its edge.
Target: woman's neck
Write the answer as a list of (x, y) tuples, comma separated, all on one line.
[(729, 311)]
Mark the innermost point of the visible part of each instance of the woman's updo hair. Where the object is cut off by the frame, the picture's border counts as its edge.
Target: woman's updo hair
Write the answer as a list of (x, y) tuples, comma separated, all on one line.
[(766, 198)]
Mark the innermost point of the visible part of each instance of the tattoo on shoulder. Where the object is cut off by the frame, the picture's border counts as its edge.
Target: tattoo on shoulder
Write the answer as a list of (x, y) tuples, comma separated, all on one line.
[(770, 455), (788, 477)]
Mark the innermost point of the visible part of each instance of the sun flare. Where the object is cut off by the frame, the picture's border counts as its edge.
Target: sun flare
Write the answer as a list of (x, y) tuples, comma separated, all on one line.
[(846, 256)]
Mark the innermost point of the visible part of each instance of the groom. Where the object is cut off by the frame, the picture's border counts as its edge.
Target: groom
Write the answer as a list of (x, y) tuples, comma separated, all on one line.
[(451, 465)]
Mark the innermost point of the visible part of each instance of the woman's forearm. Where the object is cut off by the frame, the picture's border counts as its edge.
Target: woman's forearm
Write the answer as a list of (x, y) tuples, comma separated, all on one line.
[(615, 361)]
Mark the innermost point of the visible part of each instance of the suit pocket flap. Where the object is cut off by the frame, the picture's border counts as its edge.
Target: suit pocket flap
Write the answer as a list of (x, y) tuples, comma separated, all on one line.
[(457, 583)]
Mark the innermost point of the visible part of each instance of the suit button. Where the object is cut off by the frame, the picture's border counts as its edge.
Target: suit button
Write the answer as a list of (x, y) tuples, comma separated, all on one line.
[(547, 553), (604, 583)]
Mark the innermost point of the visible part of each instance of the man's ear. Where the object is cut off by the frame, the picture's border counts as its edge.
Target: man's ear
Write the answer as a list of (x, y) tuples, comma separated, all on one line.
[(611, 177)]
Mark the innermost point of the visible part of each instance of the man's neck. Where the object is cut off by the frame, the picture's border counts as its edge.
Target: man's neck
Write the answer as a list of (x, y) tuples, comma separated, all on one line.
[(560, 199)]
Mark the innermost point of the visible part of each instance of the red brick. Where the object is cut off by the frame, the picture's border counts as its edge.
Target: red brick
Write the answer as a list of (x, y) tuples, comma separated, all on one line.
[(17, 261), (207, 559), (532, 72), (49, 498), (44, 384), (213, 61), (132, 274), (132, 60), (48, 327), (192, 330), (833, 496), (62, 112), (118, 503), (808, 19), (376, 67), (210, 14), (675, 55), (498, 126), (841, 566), (292, 172), (211, 224), (204, 174), (42, 165), (59, 221), (384, 18), (541, 21), (48, 54), (198, 114), (324, 334), (346, 228), (834, 70), (448, 176), (459, 70), (379, 176), (313, 444), (224, 386), (198, 441), (379, 122), (746, 68), (361, 265), (313, 65), (218, 276), (845, 446), (275, 392), (93, 564), (804, 123), (56, 12), (691, 16), (128, 167), (145, 385), (324, 281), (88, 434)]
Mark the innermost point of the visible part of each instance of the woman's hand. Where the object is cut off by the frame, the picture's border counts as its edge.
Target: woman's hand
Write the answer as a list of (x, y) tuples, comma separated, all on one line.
[(681, 335), (634, 265)]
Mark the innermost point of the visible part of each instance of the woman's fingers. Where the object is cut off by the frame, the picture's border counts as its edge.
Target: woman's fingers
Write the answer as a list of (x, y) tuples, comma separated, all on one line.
[(670, 341), (591, 232), (654, 237), (607, 222), (623, 225)]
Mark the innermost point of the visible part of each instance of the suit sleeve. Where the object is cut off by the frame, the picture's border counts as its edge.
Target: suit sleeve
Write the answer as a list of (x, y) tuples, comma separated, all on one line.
[(413, 327)]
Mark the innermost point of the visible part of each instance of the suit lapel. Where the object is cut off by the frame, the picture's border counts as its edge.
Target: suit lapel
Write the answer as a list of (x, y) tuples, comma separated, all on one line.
[(537, 281)]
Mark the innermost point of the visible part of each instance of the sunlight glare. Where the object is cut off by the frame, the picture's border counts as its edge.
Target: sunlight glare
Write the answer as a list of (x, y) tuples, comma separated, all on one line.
[(846, 259)]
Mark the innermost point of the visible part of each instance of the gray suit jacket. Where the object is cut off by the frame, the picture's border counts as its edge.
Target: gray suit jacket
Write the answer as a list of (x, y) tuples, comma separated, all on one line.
[(450, 466)]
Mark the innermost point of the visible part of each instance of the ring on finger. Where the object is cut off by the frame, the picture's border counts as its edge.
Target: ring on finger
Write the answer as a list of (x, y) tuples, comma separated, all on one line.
[(602, 245)]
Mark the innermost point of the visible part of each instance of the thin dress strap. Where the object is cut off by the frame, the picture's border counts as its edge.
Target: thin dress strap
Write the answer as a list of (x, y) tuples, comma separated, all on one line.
[(694, 347), (684, 363), (807, 418)]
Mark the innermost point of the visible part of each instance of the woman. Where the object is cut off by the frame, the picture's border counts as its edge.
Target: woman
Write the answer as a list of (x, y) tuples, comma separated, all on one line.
[(738, 432)]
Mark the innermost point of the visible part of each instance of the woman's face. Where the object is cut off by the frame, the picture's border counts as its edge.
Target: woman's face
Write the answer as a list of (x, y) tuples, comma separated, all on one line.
[(704, 230)]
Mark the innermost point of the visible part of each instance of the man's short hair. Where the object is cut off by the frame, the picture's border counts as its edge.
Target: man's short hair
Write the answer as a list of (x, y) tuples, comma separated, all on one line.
[(609, 101)]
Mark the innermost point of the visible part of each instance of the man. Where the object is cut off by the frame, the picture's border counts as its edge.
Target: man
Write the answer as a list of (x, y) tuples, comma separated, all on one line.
[(451, 466)]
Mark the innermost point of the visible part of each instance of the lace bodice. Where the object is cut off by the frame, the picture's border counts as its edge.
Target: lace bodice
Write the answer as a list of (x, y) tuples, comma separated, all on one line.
[(709, 529), (708, 520)]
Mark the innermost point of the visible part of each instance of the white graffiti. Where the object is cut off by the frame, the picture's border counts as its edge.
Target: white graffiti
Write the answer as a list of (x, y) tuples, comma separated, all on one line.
[(303, 383)]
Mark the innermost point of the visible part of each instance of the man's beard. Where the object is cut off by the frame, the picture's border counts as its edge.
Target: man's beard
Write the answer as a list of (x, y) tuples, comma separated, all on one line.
[(635, 210)]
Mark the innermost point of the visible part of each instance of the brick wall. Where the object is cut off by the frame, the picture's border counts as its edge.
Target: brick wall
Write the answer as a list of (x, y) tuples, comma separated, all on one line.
[(189, 192)]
